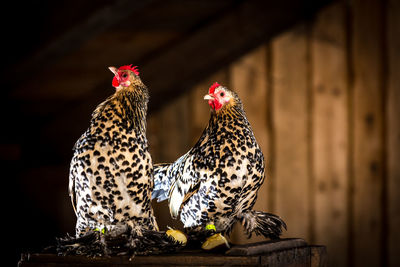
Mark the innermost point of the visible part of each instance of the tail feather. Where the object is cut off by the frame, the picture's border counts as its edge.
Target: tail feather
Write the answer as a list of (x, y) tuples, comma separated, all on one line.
[(162, 183), (262, 223)]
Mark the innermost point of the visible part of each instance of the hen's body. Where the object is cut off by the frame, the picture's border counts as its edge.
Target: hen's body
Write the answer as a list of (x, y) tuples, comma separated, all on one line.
[(111, 170), (216, 182)]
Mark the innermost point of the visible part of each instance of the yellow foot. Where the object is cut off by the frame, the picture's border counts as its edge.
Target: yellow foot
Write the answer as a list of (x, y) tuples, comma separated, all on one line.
[(177, 235), (215, 241)]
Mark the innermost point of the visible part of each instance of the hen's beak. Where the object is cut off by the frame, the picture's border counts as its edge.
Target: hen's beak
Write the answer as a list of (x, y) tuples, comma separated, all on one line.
[(113, 70), (209, 97)]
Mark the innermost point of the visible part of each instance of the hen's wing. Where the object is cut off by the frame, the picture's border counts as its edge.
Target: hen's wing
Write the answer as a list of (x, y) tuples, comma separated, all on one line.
[(71, 186), (162, 182), (184, 180)]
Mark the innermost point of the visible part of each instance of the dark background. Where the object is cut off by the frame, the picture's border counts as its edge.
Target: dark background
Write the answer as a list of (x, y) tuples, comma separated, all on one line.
[(54, 73)]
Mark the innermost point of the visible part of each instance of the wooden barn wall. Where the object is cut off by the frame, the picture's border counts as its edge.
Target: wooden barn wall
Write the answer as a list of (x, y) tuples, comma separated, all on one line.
[(323, 99)]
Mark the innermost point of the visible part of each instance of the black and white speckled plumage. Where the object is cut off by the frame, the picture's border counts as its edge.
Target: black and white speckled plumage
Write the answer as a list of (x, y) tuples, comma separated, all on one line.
[(110, 178), (217, 180)]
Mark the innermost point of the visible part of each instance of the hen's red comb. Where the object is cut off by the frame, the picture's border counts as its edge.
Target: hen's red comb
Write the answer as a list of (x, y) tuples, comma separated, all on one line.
[(134, 69), (212, 88)]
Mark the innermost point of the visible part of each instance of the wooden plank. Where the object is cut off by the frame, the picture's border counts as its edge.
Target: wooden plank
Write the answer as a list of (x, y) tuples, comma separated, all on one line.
[(182, 259), (266, 247), (367, 118), (290, 124), (248, 76), (290, 252), (330, 132), (319, 256), (153, 136), (242, 28), (174, 129), (298, 257), (393, 132)]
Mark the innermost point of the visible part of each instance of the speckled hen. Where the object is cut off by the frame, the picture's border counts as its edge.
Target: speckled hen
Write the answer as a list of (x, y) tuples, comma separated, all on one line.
[(111, 177), (215, 183)]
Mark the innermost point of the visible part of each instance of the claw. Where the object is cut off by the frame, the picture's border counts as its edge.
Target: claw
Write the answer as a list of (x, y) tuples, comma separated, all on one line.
[(215, 241), (177, 236)]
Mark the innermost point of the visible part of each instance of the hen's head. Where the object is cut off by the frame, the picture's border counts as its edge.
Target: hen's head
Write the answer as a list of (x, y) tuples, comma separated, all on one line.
[(124, 76), (219, 97)]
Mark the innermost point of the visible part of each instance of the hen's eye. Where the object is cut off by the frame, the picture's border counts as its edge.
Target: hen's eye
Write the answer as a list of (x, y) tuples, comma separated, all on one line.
[(124, 75), (221, 94)]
